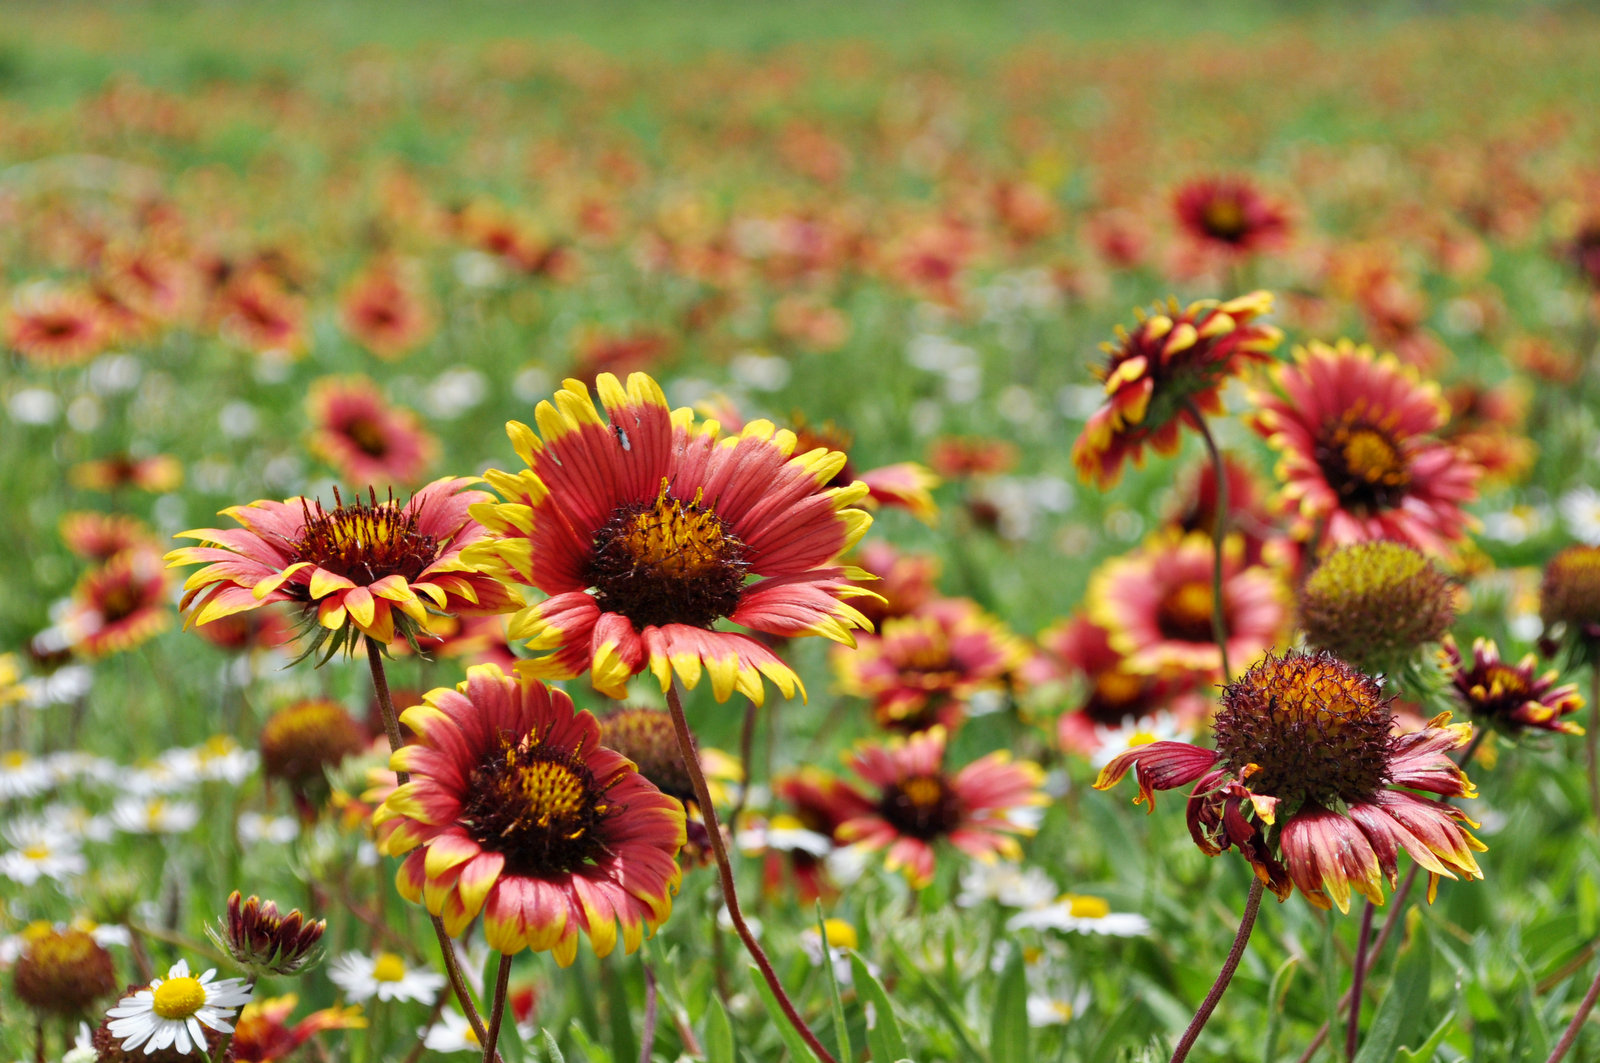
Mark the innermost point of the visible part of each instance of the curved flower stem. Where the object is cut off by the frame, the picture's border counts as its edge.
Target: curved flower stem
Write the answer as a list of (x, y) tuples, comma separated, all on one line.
[(1224, 976), (702, 794), (1398, 905), (497, 1011), (747, 734), (1352, 1033), (447, 948), (1585, 1006), (1219, 620)]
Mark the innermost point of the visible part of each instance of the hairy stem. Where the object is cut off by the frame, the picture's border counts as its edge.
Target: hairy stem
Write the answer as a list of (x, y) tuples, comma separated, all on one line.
[(647, 1042), (447, 948), (1224, 976), (497, 1010), (1570, 1035), (1352, 1033), (730, 896)]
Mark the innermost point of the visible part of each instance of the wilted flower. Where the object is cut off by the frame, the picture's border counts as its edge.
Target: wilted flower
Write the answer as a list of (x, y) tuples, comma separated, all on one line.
[(1375, 605), (302, 742), (1569, 597), (1303, 778), (61, 971)]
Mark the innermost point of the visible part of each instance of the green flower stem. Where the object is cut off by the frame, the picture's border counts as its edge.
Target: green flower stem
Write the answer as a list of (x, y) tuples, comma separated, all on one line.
[(730, 896), (447, 948), (1224, 976), (1219, 530)]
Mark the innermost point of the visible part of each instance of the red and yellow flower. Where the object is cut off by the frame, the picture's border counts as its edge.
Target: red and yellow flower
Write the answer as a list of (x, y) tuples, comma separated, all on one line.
[(1231, 215), (363, 437), (365, 568), (119, 605), (647, 531), (1164, 374), (56, 327), (263, 1034), (924, 668), (1304, 779), (1156, 604), (1510, 697), (386, 310), (1360, 458), (980, 809), (515, 810)]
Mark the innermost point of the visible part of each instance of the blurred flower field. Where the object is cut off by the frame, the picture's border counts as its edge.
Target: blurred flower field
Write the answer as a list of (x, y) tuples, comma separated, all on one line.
[(421, 428)]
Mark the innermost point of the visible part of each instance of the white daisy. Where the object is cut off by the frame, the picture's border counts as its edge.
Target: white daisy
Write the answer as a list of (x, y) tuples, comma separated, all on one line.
[(82, 1050), (1085, 915), (1011, 884), (782, 833), (453, 1033), (171, 1011), (1580, 511), (384, 976), (154, 815), (23, 776), (1049, 1009), (1114, 741), (39, 851)]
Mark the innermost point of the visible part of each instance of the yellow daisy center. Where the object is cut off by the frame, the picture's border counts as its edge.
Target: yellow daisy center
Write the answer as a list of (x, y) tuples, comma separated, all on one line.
[(36, 852), (667, 561), (1087, 907), (388, 968), (178, 998)]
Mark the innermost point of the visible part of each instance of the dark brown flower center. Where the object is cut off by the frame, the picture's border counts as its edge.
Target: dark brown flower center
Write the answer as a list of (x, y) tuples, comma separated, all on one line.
[(120, 602), (1306, 727), (363, 541), (1224, 218), (540, 808), (1118, 696), (1570, 593), (368, 436), (667, 562), (1365, 465), (921, 806), (1184, 613), (645, 736)]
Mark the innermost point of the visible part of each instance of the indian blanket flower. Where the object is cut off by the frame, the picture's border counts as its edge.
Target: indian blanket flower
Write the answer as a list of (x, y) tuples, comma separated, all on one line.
[(1230, 214), (1569, 595), (364, 568), (173, 1010), (1164, 374), (386, 309), (1509, 697), (119, 605), (157, 473), (1155, 605), (979, 809), (925, 668), (56, 327), (1359, 455), (647, 531), (515, 810), (1375, 605), (61, 971), (102, 536), (365, 439), (1305, 782), (1112, 695), (263, 1033)]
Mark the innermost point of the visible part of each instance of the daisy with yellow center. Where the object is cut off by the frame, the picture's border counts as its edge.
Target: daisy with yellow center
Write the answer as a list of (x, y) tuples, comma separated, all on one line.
[(649, 528), (172, 1011), (384, 976)]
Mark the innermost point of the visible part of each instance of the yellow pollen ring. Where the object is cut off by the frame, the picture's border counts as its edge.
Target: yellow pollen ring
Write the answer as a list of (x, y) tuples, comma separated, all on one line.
[(178, 998)]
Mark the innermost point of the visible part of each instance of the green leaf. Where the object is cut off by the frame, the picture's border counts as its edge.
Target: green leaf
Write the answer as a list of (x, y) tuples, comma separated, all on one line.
[(552, 1051), (1008, 1034), (796, 1044), (719, 1034), (1281, 980), (839, 1025), (1424, 1054), (884, 1039), (619, 1014), (1406, 999)]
